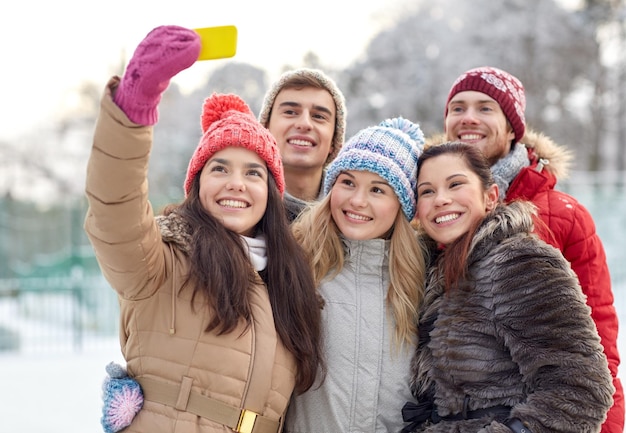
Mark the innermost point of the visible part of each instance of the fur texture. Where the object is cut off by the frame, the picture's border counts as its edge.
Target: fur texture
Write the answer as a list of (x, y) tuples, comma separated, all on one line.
[(517, 333)]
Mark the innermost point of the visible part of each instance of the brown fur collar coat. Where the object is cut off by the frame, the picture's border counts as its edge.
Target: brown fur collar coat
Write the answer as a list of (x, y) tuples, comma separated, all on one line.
[(518, 334)]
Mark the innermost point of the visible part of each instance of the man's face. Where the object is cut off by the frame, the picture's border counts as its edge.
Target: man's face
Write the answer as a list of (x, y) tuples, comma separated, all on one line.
[(303, 123), (475, 118)]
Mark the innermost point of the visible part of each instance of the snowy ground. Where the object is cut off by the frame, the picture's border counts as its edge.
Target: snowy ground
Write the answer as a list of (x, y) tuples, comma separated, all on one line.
[(55, 391)]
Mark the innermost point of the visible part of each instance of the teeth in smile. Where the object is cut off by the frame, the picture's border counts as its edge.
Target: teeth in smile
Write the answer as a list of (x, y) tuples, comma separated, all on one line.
[(447, 218), (233, 203), (301, 143), (469, 137), (357, 217)]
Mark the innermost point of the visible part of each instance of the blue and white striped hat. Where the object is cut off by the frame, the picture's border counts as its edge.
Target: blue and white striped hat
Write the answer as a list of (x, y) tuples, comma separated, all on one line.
[(390, 150)]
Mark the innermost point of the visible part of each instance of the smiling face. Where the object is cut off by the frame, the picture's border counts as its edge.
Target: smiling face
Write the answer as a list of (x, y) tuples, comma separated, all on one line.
[(451, 198), (303, 123), (233, 188), (477, 119), (363, 205)]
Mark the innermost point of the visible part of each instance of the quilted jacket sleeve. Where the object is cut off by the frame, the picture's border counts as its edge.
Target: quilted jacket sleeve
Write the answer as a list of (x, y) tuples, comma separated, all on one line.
[(120, 221)]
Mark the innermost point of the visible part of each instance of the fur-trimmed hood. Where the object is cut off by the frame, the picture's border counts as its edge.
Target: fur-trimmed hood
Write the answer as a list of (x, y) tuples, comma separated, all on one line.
[(559, 158), (175, 230), (503, 222)]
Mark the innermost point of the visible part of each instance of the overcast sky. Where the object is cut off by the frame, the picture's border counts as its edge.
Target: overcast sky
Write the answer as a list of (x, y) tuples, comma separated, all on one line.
[(48, 48)]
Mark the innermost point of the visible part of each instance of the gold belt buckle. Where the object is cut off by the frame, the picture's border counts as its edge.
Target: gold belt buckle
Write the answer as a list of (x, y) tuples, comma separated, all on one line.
[(247, 418)]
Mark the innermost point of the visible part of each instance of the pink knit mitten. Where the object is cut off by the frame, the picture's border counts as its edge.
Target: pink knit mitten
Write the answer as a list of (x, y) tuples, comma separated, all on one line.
[(163, 53)]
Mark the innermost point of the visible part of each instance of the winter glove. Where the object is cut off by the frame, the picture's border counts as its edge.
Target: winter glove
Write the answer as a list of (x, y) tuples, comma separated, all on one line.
[(163, 53), (122, 399)]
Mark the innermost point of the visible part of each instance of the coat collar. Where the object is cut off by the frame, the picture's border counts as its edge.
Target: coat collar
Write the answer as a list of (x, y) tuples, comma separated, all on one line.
[(175, 230)]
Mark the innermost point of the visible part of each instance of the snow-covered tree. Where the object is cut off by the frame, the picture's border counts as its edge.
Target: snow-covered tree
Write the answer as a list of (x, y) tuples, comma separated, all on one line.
[(409, 68)]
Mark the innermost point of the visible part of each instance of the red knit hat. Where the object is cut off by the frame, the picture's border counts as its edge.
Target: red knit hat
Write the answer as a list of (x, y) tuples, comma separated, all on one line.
[(506, 89), (228, 121)]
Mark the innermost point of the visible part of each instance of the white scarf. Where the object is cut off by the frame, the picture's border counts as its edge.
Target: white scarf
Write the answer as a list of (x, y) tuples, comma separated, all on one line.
[(257, 251)]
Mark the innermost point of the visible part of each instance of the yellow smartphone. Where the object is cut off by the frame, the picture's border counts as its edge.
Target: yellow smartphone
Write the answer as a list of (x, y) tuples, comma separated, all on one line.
[(217, 42)]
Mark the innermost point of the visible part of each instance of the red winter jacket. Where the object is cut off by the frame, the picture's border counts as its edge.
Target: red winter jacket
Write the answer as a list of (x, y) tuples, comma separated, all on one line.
[(574, 233)]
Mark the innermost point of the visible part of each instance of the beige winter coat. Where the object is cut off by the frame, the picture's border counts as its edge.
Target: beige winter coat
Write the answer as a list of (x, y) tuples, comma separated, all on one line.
[(162, 337)]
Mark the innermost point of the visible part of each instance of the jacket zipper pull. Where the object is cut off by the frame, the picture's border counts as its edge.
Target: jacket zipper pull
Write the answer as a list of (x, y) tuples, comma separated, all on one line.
[(542, 163)]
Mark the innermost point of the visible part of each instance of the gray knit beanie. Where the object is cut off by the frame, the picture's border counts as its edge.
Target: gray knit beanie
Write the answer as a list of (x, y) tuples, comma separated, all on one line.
[(305, 77)]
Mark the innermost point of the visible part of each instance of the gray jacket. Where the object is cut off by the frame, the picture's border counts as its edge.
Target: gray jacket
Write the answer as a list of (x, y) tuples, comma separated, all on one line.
[(518, 333), (367, 381)]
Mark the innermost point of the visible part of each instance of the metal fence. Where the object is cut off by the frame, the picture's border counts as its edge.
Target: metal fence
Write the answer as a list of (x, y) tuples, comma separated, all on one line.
[(50, 314), (52, 295)]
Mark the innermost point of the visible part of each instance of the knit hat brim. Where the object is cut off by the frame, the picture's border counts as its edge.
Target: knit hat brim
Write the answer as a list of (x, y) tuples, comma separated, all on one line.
[(325, 82), (391, 150), (360, 160), (503, 87), (227, 121)]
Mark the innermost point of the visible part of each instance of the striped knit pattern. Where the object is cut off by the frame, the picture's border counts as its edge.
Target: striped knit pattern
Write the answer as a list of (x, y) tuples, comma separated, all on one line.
[(390, 150)]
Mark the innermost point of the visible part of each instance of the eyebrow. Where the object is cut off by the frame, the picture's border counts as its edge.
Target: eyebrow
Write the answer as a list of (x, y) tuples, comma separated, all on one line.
[(480, 101), (377, 182), (247, 165), (447, 178), (256, 165), (298, 105), (381, 182)]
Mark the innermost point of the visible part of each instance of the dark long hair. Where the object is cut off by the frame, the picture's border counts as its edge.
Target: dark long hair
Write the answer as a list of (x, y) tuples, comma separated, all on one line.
[(454, 258), (221, 271)]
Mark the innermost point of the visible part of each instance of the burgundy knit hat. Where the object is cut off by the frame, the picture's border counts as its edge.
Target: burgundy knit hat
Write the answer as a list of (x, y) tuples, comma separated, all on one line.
[(228, 121), (506, 89)]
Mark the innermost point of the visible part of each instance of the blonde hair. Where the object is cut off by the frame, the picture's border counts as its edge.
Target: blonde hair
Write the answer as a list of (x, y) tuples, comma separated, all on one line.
[(318, 234)]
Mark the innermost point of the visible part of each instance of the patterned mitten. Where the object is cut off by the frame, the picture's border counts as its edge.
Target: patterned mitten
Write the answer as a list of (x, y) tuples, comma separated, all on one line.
[(122, 399), (163, 53)]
